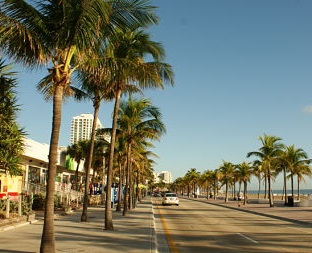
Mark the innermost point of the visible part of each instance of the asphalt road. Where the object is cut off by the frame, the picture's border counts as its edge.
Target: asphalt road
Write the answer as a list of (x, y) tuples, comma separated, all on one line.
[(200, 227)]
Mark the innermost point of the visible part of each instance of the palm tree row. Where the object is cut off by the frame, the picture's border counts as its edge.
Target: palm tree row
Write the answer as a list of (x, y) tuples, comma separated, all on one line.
[(139, 122), (273, 157), (103, 44)]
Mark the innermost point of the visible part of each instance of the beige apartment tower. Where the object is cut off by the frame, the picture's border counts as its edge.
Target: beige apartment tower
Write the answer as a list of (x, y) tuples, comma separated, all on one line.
[(81, 127)]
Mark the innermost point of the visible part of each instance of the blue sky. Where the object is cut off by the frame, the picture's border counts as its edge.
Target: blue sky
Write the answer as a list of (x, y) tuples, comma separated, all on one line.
[(242, 68)]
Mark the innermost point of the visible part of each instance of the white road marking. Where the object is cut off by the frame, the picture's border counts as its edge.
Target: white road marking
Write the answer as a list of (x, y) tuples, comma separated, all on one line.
[(248, 238)]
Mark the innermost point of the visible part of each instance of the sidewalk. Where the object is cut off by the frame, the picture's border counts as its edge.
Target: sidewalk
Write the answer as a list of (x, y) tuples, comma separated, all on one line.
[(132, 233)]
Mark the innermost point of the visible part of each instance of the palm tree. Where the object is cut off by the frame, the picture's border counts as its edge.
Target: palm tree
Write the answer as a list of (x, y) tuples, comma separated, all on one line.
[(120, 154), (283, 167), (301, 171), (142, 167), (204, 181), (63, 33), (257, 171), (93, 86), (227, 174), (78, 151), (178, 185), (268, 154), (125, 64), (293, 159), (244, 172), (216, 176), (11, 135), (192, 177), (138, 121)]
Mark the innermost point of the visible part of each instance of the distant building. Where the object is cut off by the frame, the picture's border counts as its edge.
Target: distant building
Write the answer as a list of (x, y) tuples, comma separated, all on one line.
[(81, 127), (165, 176)]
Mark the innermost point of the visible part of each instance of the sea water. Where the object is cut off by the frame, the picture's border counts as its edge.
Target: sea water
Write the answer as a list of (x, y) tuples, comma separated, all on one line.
[(280, 192)]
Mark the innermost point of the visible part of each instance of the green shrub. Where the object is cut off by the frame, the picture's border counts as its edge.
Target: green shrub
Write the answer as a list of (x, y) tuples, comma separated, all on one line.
[(40, 199), (27, 207), (57, 201), (13, 205), (38, 202), (2, 205)]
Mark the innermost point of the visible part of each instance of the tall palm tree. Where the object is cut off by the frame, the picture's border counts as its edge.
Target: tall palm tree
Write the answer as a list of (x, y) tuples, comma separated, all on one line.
[(302, 170), (205, 182), (11, 135), (294, 159), (92, 86), (139, 121), (192, 177), (227, 172), (178, 185), (244, 171), (125, 59), (257, 171), (216, 177), (63, 33), (268, 154), (120, 154), (142, 167), (282, 166)]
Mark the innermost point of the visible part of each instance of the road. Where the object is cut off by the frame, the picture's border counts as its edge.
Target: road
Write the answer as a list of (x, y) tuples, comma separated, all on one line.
[(201, 227)]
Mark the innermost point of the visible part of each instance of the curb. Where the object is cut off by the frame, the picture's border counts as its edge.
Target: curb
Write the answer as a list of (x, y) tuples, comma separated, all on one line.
[(17, 225)]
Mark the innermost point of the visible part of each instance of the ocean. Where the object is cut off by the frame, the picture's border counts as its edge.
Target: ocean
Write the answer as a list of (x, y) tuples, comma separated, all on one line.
[(280, 192)]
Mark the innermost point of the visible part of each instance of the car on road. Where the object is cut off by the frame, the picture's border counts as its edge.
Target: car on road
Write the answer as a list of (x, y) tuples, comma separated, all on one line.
[(170, 198), (157, 194)]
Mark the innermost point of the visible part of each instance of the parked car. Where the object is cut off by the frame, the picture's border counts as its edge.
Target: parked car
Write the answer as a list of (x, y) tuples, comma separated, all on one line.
[(170, 198), (157, 194)]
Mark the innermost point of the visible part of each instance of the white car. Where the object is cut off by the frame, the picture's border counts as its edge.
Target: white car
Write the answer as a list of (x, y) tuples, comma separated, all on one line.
[(170, 198)]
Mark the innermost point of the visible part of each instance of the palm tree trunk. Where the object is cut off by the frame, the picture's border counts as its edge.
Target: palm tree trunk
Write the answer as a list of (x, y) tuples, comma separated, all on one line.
[(298, 181), (226, 192), (265, 185), (292, 184), (215, 190), (285, 187), (126, 195), (269, 188), (108, 211), (245, 192), (259, 186), (136, 197), (84, 215), (131, 184), (121, 179), (48, 234), (76, 175), (103, 195)]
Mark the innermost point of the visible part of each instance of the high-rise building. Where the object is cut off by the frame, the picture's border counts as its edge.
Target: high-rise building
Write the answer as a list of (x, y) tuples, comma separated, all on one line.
[(165, 176), (81, 127)]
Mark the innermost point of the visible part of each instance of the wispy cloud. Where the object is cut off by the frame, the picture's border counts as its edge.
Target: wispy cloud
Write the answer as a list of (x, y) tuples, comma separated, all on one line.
[(307, 109)]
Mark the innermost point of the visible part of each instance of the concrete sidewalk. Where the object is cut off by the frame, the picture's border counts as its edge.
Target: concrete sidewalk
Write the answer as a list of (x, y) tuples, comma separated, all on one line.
[(132, 233)]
